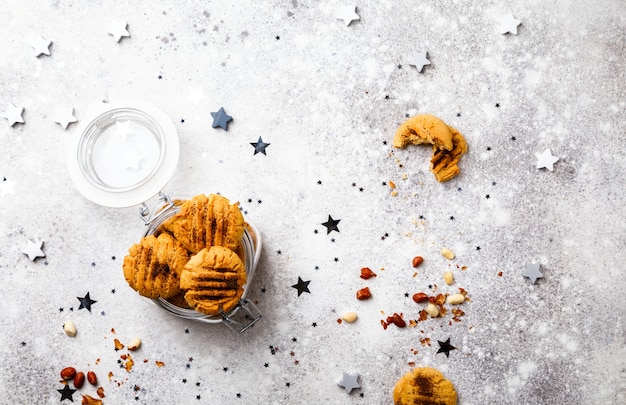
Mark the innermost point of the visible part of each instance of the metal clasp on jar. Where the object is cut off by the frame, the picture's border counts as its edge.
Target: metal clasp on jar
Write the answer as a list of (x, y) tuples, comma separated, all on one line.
[(144, 210), (242, 317)]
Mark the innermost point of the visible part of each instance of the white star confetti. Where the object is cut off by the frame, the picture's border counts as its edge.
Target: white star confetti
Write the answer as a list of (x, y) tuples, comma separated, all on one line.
[(6, 187), (348, 14), (122, 129), (13, 114), (133, 160), (196, 95), (349, 382), (64, 116), (118, 30), (33, 250), (509, 24), (420, 60), (531, 271), (41, 46), (546, 160)]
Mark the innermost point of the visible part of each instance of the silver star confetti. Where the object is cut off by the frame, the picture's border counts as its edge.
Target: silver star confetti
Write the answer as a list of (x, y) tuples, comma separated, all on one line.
[(348, 14), (420, 60), (349, 382), (64, 116), (41, 46), (33, 250), (13, 114), (118, 30), (6, 187), (546, 160), (531, 271), (509, 24)]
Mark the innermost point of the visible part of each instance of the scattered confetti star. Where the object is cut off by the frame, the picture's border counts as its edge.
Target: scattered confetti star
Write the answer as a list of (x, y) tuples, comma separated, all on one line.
[(33, 250), (420, 60), (118, 30), (221, 119), (349, 382), (66, 393), (302, 286), (41, 46), (13, 114), (86, 302), (348, 14), (445, 347), (6, 187), (331, 225), (531, 271), (64, 116), (546, 160), (259, 146), (133, 160), (122, 129), (195, 95), (509, 24)]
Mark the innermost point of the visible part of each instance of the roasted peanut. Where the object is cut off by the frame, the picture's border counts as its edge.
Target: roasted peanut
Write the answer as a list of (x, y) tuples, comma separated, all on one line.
[(134, 344), (79, 380), (92, 378), (432, 310), (68, 373), (455, 299), (417, 260), (69, 328), (363, 294), (447, 253), (349, 316), (420, 297), (448, 277)]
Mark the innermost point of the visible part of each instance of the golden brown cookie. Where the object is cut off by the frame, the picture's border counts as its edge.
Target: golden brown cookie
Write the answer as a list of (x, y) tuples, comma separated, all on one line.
[(444, 163), (424, 386), (423, 128), (153, 266), (213, 280), (206, 221)]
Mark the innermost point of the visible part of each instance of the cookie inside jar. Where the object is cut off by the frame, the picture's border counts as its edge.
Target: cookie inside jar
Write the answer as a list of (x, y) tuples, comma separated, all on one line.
[(221, 257)]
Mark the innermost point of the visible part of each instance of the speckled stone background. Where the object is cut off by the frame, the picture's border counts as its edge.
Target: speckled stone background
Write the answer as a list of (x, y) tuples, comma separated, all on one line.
[(328, 98)]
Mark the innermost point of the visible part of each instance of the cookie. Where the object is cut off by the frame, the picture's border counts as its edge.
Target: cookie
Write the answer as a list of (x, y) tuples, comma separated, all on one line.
[(206, 221), (424, 386), (213, 280), (444, 163), (423, 129), (153, 266)]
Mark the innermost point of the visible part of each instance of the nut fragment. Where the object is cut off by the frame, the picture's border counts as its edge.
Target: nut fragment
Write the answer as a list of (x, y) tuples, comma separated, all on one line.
[(69, 328), (363, 294), (455, 299), (134, 344), (447, 253), (88, 400), (432, 310), (79, 380), (349, 316), (100, 392), (68, 373), (92, 378), (448, 277), (417, 260), (420, 297), (367, 273)]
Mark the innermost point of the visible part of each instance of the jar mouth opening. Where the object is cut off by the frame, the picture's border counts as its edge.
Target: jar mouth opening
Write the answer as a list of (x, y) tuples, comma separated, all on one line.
[(121, 150)]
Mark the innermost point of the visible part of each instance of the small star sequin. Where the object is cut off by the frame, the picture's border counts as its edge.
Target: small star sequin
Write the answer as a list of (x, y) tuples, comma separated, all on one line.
[(118, 30), (13, 114), (348, 14), (221, 119), (420, 60), (331, 225), (508, 24), (302, 286), (64, 116), (546, 160), (349, 382), (66, 393), (445, 347), (33, 250), (259, 146), (531, 271), (41, 46), (86, 302), (6, 187)]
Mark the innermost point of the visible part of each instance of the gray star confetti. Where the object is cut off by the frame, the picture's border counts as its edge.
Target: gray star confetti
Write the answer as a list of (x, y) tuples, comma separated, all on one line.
[(546, 160), (349, 382), (531, 271), (33, 250), (420, 60), (64, 116), (509, 24), (118, 30), (13, 114), (41, 46), (221, 119), (348, 14)]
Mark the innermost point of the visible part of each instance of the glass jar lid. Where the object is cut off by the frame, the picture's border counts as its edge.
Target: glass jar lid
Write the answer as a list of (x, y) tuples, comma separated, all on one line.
[(123, 153)]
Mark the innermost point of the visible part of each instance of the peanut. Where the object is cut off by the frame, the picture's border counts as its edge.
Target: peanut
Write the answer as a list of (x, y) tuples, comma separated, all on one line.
[(69, 328), (134, 344), (417, 260), (92, 378), (447, 253), (455, 299), (432, 310), (349, 316), (68, 373), (367, 273), (363, 294), (420, 297), (448, 277), (79, 380)]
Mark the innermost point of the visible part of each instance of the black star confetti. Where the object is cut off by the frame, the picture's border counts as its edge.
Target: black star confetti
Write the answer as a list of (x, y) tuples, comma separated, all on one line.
[(259, 146), (302, 286), (86, 302), (221, 119), (331, 225), (66, 393), (445, 347)]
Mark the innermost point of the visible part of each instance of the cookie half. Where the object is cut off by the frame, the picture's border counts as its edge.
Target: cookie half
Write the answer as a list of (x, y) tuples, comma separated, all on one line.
[(444, 163), (424, 386), (213, 280), (423, 129)]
